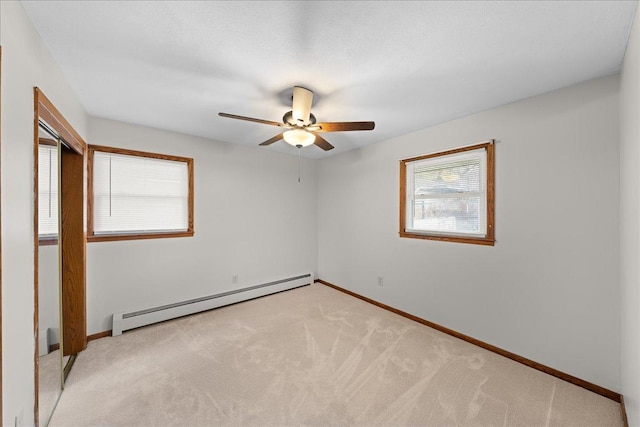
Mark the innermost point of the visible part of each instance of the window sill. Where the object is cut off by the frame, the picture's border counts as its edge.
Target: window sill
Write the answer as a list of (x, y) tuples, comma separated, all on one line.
[(48, 242), (486, 241), (116, 237)]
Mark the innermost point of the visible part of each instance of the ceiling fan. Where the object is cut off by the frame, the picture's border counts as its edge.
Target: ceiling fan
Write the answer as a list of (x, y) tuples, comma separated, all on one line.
[(301, 126)]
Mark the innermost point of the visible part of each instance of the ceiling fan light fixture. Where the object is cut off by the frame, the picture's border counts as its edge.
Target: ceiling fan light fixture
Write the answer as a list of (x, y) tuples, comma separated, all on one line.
[(299, 137)]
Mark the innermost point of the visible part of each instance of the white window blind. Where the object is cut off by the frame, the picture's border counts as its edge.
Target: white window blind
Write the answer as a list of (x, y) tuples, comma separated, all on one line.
[(138, 195), (447, 194), (47, 191)]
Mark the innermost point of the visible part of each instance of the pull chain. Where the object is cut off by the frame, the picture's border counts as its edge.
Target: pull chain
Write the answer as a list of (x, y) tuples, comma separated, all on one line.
[(299, 147)]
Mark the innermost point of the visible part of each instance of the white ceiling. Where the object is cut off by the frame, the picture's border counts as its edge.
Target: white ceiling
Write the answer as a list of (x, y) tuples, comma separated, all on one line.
[(405, 65)]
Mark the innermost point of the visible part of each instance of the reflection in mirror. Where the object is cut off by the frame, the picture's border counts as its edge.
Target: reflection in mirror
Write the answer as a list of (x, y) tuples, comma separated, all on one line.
[(50, 377)]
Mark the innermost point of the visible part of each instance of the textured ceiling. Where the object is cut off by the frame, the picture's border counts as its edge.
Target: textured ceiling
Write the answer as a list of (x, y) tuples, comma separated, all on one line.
[(404, 65)]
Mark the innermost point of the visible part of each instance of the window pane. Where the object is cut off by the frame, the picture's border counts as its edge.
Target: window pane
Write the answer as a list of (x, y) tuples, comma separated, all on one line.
[(457, 215), (446, 194), (139, 194), (454, 176)]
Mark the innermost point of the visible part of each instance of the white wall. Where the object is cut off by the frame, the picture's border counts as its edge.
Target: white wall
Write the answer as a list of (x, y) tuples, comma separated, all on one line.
[(548, 290), (630, 223), (25, 63), (252, 219)]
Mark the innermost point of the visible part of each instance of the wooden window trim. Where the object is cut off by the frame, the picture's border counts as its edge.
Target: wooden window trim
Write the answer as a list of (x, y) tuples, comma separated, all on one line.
[(47, 242), (47, 141), (489, 239), (91, 237)]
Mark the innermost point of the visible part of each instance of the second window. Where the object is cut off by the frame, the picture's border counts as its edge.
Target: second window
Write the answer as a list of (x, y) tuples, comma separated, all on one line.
[(449, 195)]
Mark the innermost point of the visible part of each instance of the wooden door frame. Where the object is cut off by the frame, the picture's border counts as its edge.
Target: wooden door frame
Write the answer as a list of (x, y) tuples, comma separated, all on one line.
[(74, 239)]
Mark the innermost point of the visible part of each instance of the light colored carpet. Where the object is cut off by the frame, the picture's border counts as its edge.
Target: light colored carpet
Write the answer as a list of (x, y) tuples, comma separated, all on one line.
[(312, 356), (49, 384)]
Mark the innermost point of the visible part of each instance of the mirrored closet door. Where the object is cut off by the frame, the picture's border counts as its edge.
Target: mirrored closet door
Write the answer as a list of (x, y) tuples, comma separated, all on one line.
[(60, 256), (50, 359)]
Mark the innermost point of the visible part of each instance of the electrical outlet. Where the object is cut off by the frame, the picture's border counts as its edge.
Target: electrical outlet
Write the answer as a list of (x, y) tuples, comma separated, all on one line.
[(234, 279), (380, 281)]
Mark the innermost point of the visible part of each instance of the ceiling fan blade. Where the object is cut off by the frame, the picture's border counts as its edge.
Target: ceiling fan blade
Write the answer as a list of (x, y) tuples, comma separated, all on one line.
[(302, 99), (344, 126), (249, 119), (272, 140), (322, 143)]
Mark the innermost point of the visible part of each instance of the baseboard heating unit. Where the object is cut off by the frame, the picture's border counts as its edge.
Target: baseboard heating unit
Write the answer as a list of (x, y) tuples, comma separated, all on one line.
[(125, 321)]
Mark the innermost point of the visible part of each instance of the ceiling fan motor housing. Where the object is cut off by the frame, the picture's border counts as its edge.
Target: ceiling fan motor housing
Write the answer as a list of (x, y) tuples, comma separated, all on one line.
[(289, 120)]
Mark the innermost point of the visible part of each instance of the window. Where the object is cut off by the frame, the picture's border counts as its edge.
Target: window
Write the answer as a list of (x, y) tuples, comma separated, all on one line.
[(449, 195), (47, 191), (138, 195)]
